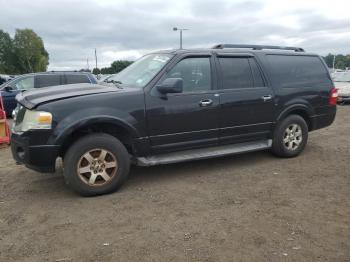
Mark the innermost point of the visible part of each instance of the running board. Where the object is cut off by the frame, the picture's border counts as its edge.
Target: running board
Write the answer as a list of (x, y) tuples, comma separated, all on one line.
[(203, 153)]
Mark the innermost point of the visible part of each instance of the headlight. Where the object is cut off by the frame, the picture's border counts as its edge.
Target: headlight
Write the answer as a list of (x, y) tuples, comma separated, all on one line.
[(36, 120)]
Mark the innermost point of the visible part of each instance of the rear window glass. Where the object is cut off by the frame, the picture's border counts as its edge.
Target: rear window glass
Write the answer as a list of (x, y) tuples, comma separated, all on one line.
[(297, 71), (76, 78), (48, 80)]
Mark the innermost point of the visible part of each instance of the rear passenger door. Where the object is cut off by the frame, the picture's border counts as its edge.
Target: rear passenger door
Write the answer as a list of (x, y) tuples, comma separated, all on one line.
[(247, 102)]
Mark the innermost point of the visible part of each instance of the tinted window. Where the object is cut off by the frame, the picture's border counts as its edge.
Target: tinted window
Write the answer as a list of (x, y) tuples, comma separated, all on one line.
[(236, 72), (76, 78), (195, 73), (258, 80), (297, 71), (23, 83), (48, 80)]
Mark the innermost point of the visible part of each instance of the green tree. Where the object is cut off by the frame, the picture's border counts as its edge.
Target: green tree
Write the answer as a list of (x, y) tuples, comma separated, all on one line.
[(115, 67), (329, 60), (341, 61), (119, 65), (96, 71), (6, 53), (30, 52)]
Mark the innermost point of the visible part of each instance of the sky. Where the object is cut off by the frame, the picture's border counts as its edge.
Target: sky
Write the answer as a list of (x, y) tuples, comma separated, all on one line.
[(128, 29)]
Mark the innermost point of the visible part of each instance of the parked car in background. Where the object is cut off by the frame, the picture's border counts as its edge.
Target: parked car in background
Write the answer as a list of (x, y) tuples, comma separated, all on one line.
[(5, 78), (2, 80), (342, 83), (173, 106), (10, 89)]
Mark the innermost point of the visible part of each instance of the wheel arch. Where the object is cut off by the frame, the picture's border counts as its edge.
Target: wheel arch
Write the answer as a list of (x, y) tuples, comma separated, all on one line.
[(115, 127), (302, 110)]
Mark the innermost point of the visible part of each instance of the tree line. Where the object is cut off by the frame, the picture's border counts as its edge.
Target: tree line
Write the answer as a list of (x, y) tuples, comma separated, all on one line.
[(115, 67), (341, 61), (24, 53)]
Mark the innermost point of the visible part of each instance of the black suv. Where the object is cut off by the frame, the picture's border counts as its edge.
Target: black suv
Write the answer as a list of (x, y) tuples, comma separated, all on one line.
[(10, 89), (173, 106)]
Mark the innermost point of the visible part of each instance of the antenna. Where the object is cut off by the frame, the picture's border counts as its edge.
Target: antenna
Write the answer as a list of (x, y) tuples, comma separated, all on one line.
[(96, 57)]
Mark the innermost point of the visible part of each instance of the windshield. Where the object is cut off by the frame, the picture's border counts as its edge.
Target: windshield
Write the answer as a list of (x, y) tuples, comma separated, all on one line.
[(141, 71), (341, 77)]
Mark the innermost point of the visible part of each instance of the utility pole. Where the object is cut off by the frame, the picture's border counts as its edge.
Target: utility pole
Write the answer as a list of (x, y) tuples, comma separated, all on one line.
[(96, 58), (180, 29), (334, 63)]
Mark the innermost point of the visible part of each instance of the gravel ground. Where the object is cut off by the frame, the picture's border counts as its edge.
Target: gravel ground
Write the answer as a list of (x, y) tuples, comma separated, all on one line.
[(252, 207)]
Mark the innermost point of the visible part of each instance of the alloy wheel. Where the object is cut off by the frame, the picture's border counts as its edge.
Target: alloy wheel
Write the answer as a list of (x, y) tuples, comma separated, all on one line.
[(97, 167), (293, 136)]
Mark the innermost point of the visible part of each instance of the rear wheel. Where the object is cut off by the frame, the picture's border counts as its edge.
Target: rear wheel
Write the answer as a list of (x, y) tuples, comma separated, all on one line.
[(290, 136), (96, 164)]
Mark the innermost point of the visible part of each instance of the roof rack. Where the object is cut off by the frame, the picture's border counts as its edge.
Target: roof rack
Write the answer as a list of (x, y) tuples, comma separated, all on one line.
[(259, 47)]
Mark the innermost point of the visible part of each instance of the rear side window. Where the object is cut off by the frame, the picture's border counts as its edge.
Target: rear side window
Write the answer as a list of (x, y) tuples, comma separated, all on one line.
[(297, 71), (240, 72), (76, 78), (47, 80), (257, 77)]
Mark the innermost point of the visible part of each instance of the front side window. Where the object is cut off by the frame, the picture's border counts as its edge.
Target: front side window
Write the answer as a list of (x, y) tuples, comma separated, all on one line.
[(195, 73), (24, 83), (140, 72)]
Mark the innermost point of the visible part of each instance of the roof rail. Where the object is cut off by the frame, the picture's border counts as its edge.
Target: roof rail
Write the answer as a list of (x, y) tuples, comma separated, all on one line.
[(259, 47), (64, 71)]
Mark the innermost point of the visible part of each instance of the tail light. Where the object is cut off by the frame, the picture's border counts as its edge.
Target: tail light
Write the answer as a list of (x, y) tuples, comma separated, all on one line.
[(333, 97)]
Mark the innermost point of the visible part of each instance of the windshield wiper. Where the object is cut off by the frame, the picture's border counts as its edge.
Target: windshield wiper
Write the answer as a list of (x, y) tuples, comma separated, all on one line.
[(117, 83)]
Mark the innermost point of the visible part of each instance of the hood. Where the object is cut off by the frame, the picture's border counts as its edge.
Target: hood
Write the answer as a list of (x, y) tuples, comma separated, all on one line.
[(343, 87), (33, 98)]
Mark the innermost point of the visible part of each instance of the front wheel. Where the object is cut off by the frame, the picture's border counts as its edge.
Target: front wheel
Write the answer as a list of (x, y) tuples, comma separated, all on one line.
[(96, 164), (290, 137)]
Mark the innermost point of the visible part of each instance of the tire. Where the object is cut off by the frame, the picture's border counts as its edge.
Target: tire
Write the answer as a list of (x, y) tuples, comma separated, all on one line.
[(96, 164), (287, 140)]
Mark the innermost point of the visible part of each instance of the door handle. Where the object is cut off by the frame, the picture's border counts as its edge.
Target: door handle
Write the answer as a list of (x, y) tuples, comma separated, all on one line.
[(206, 102), (266, 98)]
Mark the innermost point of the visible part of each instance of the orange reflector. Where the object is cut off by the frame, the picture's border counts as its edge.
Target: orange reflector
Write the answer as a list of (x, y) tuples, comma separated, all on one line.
[(44, 118)]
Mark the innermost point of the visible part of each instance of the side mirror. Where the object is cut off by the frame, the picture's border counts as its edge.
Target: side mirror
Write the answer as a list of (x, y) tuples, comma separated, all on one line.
[(170, 85), (8, 88)]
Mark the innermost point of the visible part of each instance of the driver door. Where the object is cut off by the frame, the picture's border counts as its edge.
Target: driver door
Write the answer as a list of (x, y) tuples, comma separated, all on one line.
[(189, 119)]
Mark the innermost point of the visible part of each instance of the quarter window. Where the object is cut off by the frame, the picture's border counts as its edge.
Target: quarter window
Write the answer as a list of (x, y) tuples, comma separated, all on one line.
[(298, 71), (195, 73)]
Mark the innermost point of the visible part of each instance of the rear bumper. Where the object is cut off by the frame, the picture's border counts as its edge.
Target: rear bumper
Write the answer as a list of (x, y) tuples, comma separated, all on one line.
[(41, 158), (324, 120), (343, 98)]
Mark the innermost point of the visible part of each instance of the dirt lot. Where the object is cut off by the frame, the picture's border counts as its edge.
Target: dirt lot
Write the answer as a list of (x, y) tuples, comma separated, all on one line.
[(252, 207)]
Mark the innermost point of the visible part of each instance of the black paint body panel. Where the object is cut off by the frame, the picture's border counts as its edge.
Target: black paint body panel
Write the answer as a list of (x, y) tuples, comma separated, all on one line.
[(159, 124)]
